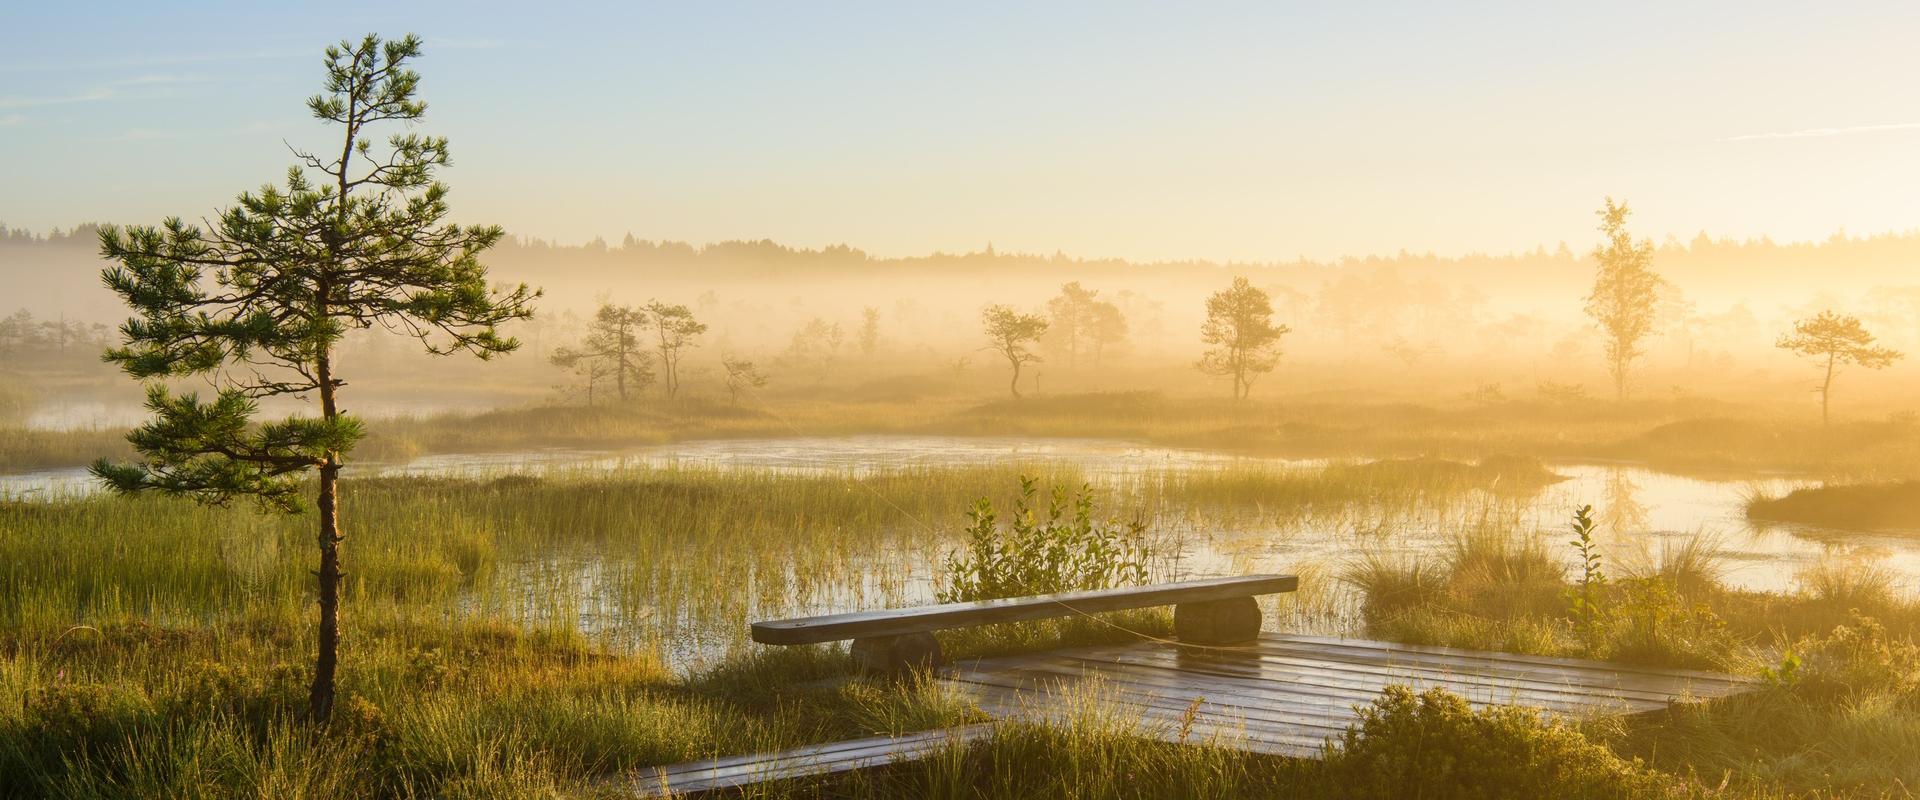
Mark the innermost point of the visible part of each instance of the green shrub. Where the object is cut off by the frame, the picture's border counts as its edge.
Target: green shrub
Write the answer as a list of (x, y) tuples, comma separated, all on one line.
[(1040, 556), (1858, 659), (1433, 745), (1649, 622)]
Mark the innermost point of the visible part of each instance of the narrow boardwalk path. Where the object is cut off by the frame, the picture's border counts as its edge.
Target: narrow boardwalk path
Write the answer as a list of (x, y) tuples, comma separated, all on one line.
[(1284, 694)]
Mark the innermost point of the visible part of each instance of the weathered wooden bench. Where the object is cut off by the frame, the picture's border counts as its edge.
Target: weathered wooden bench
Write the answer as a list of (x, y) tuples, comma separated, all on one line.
[(1211, 611)]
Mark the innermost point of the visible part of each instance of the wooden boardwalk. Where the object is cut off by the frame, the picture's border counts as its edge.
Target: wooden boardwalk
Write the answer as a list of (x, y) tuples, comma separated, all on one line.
[(1284, 694)]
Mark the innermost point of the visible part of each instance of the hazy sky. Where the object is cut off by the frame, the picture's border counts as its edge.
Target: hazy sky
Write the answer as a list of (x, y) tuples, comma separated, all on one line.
[(1225, 131)]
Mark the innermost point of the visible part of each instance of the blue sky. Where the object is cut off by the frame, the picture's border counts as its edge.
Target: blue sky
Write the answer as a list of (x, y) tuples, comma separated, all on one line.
[(1215, 130)]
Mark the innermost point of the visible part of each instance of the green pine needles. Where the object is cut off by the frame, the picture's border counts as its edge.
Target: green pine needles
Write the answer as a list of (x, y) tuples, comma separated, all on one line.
[(257, 301)]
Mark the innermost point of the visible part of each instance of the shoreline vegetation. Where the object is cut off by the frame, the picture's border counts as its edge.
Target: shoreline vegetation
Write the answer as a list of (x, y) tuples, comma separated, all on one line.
[(516, 637), (1885, 506), (1687, 437)]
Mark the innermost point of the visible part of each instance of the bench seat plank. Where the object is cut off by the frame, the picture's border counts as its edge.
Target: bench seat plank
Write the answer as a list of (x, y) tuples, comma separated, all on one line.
[(920, 619)]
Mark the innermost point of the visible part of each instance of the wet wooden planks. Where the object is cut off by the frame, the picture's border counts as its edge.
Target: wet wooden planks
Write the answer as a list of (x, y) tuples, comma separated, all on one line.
[(1283, 694), (822, 759), (1290, 694)]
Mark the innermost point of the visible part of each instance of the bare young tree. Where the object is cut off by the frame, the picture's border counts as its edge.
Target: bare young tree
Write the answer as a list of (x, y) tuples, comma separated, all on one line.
[(1246, 342), (1626, 293), (675, 330), (586, 368), (1009, 332), (1832, 341), (742, 376)]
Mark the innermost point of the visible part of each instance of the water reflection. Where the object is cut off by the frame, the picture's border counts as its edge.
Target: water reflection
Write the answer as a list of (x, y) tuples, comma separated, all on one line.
[(1641, 511)]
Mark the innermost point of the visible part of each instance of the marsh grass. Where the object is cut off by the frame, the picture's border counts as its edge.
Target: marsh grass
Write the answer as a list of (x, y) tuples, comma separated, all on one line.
[(513, 635), (529, 636)]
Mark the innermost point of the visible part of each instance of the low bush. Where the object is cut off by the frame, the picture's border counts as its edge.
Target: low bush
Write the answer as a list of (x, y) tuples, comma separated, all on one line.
[(1036, 555), (1434, 745)]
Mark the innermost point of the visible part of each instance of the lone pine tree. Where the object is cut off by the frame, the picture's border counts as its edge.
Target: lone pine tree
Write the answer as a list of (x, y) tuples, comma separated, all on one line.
[(1832, 341), (258, 302)]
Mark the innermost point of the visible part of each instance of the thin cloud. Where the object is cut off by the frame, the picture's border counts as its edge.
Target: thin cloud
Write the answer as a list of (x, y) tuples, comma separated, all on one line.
[(158, 134), (158, 80), (10, 120), (1815, 133), (89, 96), (155, 61), (464, 44), (146, 135)]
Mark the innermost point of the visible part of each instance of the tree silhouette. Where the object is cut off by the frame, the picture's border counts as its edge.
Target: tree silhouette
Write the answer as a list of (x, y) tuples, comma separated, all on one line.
[(1245, 341), (1107, 326), (1008, 333), (1833, 340), (1080, 324), (611, 348), (674, 330), (869, 331), (1625, 293), (816, 344), (589, 370), (742, 375), (258, 302), (1070, 320)]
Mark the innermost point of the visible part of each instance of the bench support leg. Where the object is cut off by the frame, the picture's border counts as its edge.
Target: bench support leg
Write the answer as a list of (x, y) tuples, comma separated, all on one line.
[(1233, 621), (892, 656)]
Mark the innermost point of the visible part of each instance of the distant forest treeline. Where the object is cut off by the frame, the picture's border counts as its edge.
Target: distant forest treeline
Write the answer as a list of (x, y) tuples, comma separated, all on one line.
[(758, 291), (1864, 260)]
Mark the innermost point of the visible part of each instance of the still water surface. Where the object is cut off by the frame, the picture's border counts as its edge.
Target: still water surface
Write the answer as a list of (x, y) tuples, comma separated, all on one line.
[(1642, 510)]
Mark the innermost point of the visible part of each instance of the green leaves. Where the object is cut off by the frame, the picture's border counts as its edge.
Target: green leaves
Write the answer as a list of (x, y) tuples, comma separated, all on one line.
[(1034, 556), (1584, 598)]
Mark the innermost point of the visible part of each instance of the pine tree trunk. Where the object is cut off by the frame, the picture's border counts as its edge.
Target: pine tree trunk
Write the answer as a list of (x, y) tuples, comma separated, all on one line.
[(1015, 384), (320, 698)]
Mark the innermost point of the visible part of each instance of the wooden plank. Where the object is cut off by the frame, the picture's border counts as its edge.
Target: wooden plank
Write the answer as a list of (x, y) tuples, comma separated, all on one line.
[(1370, 644), (1345, 695), (1348, 690), (1142, 714), (1284, 695), (897, 621), (1595, 675), (824, 750), (1045, 690), (1163, 720), (1645, 680), (1281, 667), (826, 759)]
